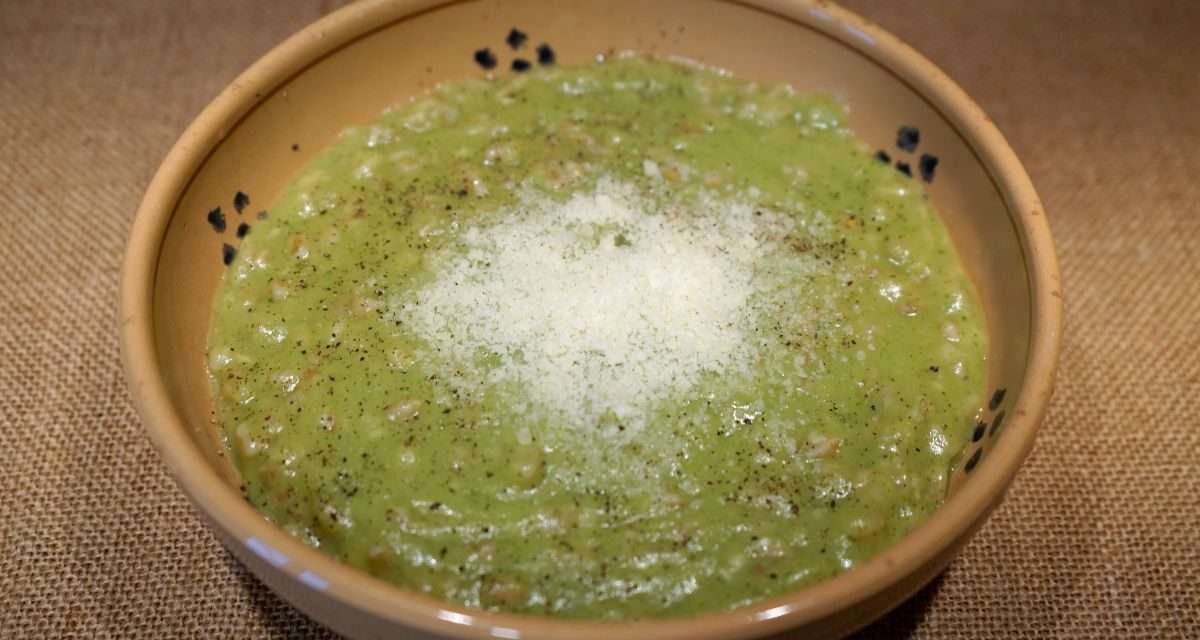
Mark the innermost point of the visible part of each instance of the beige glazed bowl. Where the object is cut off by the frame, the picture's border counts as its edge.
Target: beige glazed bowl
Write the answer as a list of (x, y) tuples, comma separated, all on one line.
[(346, 68)]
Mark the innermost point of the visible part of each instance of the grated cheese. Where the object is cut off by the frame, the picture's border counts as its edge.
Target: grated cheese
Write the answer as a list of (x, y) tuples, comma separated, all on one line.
[(600, 306)]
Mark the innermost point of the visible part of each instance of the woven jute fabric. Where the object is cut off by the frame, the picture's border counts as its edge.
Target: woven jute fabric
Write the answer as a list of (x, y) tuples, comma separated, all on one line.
[(1099, 536)]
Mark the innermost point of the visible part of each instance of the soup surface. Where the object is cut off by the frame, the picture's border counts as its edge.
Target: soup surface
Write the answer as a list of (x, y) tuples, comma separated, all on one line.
[(633, 339)]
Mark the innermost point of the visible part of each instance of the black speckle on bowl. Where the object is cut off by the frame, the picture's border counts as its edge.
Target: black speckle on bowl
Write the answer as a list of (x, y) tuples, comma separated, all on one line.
[(486, 59), (227, 253), (974, 460), (240, 201), (883, 157), (904, 168), (997, 398), (216, 219), (980, 429), (996, 422), (907, 138), (927, 164), (521, 65), (516, 38), (545, 55), (242, 230)]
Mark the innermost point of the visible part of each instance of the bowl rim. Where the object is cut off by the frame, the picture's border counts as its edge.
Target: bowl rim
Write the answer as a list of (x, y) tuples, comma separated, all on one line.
[(224, 505)]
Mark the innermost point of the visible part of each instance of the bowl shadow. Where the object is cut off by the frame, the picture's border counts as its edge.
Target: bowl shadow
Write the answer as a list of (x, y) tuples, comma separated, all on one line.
[(276, 616), (281, 620), (902, 622)]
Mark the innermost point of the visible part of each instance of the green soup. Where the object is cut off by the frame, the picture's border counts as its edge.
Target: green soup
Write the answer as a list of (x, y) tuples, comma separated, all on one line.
[(628, 340)]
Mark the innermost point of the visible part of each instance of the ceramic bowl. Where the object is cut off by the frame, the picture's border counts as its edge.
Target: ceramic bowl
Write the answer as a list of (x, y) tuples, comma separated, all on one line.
[(346, 68)]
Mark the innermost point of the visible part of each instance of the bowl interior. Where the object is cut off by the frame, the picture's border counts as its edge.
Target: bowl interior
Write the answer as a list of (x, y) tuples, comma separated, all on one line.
[(282, 127)]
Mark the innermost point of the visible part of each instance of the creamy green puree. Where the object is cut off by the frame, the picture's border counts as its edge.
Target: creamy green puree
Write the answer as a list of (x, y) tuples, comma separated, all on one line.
[(627, 340)]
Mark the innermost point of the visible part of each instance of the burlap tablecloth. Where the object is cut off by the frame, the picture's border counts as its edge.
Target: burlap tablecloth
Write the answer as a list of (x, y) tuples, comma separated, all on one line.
[(1100, 535)]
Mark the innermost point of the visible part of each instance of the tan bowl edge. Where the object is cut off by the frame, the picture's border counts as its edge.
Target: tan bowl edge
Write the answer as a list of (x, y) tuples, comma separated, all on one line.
[(922, 550)]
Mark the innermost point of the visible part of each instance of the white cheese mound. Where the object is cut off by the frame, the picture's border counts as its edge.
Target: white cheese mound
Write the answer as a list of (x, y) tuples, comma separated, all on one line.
[(601, 306)]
